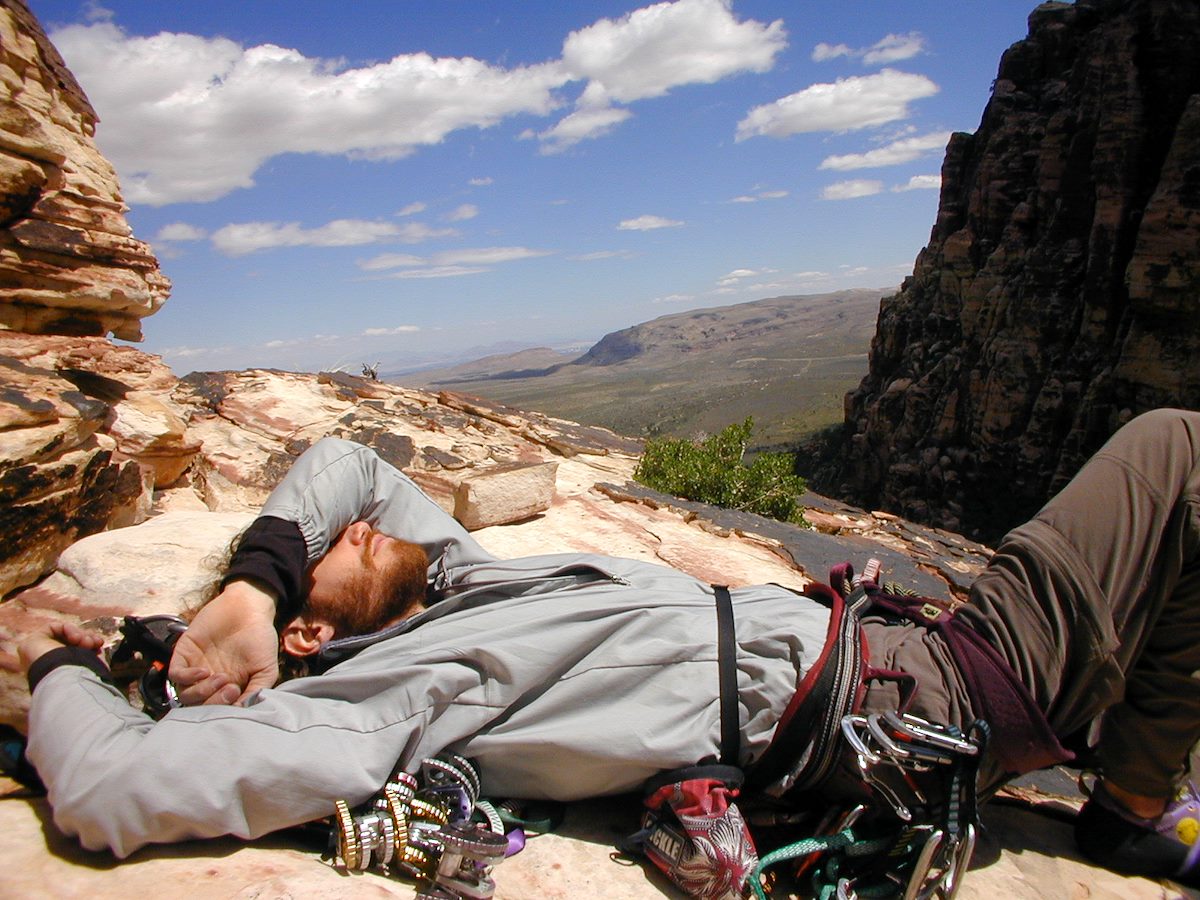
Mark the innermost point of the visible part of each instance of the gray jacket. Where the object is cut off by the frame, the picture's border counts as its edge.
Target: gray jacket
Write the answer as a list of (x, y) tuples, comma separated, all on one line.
[(564, 676)]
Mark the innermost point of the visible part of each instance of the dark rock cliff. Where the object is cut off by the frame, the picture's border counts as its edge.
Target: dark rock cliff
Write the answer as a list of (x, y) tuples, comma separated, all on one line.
[(1059, 294)]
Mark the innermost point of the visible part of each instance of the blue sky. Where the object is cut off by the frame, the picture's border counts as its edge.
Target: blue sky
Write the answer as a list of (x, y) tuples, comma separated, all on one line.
[(411, 180)]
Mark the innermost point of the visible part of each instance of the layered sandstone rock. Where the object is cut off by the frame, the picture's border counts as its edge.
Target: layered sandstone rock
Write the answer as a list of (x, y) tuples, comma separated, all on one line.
[(69, 263), (59, 479), (1058, 295), (81, 443), (88, 430)]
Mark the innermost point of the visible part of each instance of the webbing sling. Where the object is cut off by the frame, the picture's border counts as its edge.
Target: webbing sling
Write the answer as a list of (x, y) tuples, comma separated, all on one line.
[(731, 732)]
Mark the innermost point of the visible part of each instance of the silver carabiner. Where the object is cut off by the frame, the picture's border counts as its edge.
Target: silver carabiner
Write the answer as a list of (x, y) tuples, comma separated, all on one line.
[(916, 757), (925, 731), (856, 742)]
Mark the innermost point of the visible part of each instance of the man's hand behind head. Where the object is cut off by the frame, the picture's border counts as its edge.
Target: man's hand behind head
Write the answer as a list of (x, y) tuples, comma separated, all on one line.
[(230, 650)]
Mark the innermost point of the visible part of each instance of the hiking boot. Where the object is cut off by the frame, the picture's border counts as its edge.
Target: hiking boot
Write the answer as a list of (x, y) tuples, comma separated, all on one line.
[(1164, 847)]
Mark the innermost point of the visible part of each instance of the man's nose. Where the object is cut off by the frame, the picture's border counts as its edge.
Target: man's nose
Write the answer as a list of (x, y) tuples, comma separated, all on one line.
[(359, 532)]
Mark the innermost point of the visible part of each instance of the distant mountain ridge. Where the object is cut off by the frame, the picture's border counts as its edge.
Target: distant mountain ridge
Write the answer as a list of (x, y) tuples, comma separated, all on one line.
[(523, 363), (787, 361), (708, 329)]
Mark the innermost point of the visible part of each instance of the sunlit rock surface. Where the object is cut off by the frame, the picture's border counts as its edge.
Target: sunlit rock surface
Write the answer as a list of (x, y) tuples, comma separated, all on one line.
[(69, 263)]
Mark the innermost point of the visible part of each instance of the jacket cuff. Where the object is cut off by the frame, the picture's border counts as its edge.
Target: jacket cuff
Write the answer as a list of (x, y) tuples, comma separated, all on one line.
[(66, 656), (273, 554)]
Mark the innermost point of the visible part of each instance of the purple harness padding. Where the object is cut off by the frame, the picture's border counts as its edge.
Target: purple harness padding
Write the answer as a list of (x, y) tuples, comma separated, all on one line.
[(1022, 738)]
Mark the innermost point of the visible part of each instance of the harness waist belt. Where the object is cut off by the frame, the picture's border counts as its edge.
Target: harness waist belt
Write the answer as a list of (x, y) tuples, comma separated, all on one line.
[(804, 747)]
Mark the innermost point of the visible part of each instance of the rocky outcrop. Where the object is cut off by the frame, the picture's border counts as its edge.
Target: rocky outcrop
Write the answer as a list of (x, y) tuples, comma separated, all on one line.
[(88, 430), (1059, 294), (82, 441), (68, 261)]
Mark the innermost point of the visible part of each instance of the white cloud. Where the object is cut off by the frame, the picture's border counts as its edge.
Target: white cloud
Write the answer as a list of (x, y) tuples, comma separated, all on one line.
[(391, 261), (480, 182), (399, 329), (894, 48), (761, 195), (440, 272), (193, 118), (463, 213), (580, 125), (893, 154), (848, 190), (845, 105), (449, 261), (184, 352), (487, 255), (412, 209), (920, 183), (647, 52), (734, 278), (651, 50), (180, 231), (603, 254), (823, 51), (647, 223), (675, 298), (889, 49), (249, 237)]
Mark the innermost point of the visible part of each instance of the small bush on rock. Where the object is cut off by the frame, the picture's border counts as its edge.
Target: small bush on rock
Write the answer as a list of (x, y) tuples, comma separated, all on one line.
[(714, 471)]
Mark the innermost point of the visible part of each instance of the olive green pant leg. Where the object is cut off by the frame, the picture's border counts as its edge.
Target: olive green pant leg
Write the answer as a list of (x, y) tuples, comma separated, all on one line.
[(1096, 601)]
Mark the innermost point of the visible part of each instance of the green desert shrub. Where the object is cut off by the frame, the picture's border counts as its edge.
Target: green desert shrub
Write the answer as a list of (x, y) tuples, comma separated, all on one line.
[(714, 471)]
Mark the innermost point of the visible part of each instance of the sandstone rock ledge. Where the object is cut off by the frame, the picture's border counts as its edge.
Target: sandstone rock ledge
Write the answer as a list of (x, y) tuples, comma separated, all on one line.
[(248, 426)]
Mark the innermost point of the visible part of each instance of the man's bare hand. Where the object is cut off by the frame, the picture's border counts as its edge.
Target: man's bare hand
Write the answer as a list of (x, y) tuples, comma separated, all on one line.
[(53, 636), (230, 650)]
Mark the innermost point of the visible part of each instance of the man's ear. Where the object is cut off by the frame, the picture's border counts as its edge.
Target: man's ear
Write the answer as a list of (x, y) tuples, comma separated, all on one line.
[(304, 637)]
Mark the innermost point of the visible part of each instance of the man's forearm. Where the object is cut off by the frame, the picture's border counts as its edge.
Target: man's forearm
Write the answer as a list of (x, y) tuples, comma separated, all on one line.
[(336, 482), (271, 555)]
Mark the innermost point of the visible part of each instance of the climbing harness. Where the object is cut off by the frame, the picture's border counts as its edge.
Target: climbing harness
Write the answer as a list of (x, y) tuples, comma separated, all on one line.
[(914, 838), (434, 829)]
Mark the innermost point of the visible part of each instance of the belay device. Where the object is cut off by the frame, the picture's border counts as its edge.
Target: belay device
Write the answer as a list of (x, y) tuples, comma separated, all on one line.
[(149, 641)]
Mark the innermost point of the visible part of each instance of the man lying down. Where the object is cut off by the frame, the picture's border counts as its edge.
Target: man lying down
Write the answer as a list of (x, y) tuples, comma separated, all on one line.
[(574, 675)]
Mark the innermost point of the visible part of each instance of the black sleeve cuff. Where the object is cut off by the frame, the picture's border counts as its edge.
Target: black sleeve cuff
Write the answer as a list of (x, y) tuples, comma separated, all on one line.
[(272, 552), (66, 656)]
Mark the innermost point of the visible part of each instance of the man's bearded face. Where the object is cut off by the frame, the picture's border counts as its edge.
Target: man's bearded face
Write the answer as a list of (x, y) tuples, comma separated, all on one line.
[(367, 581)]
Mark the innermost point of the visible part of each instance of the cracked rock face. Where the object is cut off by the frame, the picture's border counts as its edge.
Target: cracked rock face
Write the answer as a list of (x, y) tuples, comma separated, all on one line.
[(82, 444), (1059, 294), (69, 263)]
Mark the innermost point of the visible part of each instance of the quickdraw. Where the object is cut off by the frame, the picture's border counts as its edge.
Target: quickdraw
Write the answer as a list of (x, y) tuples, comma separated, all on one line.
[(425, 829), (924, 852)]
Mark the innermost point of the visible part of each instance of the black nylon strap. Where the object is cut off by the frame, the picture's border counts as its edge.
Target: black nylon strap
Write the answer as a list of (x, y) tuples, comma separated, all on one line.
[(731, 732)]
